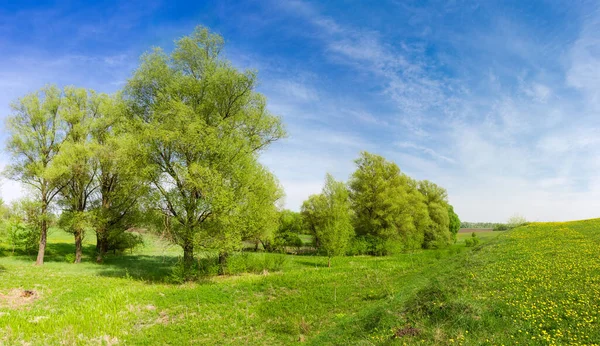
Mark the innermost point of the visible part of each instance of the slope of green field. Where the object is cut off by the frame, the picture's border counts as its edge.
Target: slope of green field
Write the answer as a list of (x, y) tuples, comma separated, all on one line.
[(537, 284)]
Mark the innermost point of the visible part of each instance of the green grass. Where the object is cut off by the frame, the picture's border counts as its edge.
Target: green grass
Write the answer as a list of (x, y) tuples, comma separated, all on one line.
[(496, 293)]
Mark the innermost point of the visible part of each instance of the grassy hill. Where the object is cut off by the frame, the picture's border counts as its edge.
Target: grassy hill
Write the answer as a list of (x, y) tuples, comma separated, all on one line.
[(533, 285)]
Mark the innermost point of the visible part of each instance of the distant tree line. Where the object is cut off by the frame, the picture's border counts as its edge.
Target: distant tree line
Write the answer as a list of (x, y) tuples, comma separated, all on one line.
[(514, 221), (380, 211), (177, 152)]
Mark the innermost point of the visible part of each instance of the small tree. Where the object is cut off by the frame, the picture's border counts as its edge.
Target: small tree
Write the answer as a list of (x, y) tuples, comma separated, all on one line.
[(22, 224), (454, 225), (35, 136), (313, 214), (329, 214), (336, 231), (516, 220)]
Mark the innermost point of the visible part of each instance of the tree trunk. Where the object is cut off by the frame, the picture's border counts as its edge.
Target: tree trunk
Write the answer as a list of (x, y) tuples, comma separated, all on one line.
[(43, 235), (328, 262), (78, 248), (223, 262), (256, 246), (188, 258), (101, 246), (43, 240)]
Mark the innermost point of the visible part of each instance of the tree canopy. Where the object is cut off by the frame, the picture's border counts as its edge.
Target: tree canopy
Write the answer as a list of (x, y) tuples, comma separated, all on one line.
[(200, 126)]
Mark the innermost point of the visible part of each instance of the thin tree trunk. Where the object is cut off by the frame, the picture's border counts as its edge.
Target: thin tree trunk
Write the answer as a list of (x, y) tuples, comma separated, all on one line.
[(188, 258), (328, 262), (223, 262), (78, 248), (43, 235)]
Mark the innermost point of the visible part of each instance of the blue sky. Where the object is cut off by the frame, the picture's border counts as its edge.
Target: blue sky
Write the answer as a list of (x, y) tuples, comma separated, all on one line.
[(499, 102)]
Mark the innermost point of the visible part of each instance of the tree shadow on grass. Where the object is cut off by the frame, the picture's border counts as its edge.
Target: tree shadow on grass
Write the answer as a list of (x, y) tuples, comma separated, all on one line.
[(139, 267), (65, 252), (321, 263)]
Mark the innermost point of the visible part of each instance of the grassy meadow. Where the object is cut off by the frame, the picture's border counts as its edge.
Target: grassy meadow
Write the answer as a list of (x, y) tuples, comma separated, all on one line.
[(537, 284)]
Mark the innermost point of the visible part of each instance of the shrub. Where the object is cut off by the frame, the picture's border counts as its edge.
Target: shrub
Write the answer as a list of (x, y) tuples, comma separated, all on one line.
[(121, 241), (473, 241), (237, 263), (358, 246), (70, 258), (372, 245), (21, 235)]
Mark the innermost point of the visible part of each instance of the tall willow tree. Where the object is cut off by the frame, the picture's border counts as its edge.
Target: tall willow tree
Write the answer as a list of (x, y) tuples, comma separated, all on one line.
[(36, 133), (386, 203), (200, 126), (437, 233), (120, 185), (76, 163), (329, 217), (336, 229)]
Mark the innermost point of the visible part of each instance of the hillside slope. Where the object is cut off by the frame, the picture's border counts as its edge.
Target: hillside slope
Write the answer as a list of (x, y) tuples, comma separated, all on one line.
[(538, 284)]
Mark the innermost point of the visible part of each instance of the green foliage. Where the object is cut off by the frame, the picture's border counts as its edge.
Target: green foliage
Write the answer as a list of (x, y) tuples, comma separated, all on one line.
[(329, 217), (454, 225), (36, 133), (386, 203), (312, 212), (372, 245), (516, 220), (502, 227), (120, 185), (466, 224), (120, 241), (437, 232), (22, 225), (237, 263), (21, 235), (473, 241), (289, 230), (336, 229), (199, 126)]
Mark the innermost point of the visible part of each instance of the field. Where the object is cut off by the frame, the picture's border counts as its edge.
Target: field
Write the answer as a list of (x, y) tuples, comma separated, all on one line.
[(537, 284)]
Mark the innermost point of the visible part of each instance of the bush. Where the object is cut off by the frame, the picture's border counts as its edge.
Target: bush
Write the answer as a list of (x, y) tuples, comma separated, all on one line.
[(501, 227), (237, 263), (371, 245), (21, 235), (70, 258), (473, 241), (358, 246), (121, 241)]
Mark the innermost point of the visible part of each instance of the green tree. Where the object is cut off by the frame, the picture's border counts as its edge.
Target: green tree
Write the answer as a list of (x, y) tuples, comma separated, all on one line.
[(289, 230), (35, 136), (76, 165), (454, 225), (312, 212), (22, 224), (200, 126), (119, 182), (387, 205), (437, 232), (335, 230)]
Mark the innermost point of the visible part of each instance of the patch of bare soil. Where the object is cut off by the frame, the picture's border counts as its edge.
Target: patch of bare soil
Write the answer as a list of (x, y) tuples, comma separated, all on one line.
[(17, 298), (406, 331)]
